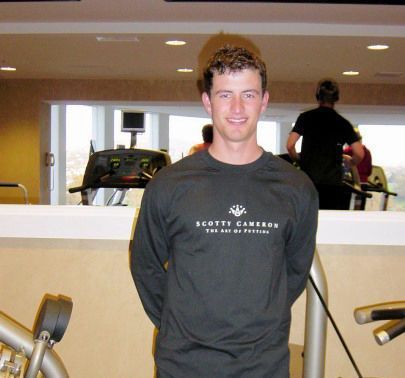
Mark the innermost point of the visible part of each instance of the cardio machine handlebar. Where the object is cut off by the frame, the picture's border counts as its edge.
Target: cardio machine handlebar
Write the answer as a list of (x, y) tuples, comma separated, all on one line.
[(394, 311)]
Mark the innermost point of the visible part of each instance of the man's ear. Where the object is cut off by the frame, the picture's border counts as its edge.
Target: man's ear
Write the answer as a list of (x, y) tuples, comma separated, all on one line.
[(206, 102), (265, 101)]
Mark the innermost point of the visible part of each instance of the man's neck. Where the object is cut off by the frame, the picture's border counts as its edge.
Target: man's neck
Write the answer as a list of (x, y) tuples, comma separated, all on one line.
[(326, 105), (235, 153)]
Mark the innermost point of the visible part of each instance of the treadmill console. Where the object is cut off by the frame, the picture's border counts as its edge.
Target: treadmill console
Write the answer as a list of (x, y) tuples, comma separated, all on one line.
[(122, 168)]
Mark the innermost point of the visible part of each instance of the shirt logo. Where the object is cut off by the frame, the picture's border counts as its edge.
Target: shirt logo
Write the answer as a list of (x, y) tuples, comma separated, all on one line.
[(236, 226), (237, 210)]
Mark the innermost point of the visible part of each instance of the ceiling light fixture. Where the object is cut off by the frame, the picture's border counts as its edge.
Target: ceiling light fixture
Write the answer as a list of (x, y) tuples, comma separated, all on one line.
[(175, 43), (117, 38), (351, 73), (6, 68), (185, 70), (378, 47), (389, 74)]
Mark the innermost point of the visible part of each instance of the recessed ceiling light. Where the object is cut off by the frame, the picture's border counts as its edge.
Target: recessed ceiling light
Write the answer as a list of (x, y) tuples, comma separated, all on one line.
[(185, 70), (378, 47), (117, 38), (351, 73), (175, 43), (8, 69), (389, 74)]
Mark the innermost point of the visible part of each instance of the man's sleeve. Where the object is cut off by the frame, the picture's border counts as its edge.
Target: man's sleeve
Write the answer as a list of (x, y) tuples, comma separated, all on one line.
[(149, 253), (299, 125), (350, 135), (301, 245)]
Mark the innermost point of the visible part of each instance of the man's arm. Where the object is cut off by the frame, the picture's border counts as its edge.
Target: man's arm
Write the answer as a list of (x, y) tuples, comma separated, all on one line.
[(300, 247), (149, 254), (356, 154), (291, 142)]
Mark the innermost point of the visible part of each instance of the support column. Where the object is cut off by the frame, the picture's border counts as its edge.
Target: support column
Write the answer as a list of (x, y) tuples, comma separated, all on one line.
[(103, 132), (160, 131), (57, 181)]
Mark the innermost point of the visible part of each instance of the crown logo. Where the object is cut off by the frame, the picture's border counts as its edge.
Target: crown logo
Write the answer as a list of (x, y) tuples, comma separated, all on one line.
[(237, 210)]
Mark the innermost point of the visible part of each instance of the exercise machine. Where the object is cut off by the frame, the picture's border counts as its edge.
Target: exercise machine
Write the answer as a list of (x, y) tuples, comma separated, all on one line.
[(392, 311), (16, 185), (357, 194), (315, 321), (28, 354), (352, 193), (121, 170), (318, 314), (377, 182)]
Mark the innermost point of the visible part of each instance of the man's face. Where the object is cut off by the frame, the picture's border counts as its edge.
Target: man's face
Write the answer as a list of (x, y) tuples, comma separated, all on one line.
[(235, 105)]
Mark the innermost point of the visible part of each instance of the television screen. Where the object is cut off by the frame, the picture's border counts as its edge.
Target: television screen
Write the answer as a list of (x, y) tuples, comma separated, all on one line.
[(132, 121)]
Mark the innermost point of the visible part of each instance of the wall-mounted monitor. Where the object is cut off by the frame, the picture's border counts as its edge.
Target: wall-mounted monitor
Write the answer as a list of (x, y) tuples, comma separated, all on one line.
[(132, 121)]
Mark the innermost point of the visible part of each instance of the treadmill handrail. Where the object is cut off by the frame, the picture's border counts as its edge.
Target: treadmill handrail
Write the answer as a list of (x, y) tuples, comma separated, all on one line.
[(4, 184), (370, 186), (9, 184), (356, 190), (88, 186), (79, 188)]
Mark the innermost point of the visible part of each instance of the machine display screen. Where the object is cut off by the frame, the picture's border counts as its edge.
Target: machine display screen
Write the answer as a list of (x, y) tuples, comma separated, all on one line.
[(126, 168)]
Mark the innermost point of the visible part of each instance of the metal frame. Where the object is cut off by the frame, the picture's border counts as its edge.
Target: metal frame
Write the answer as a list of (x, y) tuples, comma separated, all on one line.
[(315, 323)]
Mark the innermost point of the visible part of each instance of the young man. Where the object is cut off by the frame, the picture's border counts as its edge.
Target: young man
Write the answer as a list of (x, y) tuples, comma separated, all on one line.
[(225, 240), (324, 133)]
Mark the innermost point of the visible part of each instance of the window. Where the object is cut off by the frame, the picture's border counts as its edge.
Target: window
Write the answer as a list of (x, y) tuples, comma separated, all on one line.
[(385, 143), (78, 137), (74, 126), (267, 136), (183, 133)]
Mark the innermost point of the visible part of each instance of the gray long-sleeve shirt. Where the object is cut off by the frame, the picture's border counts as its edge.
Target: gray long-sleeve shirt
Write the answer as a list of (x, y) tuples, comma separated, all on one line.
[(219, 255)]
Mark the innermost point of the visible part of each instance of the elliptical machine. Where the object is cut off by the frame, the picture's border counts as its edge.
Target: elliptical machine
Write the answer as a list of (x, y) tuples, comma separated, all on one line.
[(26, 354), (392, 311)]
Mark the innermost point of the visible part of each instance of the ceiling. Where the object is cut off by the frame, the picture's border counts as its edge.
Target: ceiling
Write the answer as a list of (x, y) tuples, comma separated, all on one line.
[(299, 42)]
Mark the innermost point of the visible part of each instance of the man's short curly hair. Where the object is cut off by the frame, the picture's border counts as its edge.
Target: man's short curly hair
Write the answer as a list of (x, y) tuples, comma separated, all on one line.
[(233, 59)]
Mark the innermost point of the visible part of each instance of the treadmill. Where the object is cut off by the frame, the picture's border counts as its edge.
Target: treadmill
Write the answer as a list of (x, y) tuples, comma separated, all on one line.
[(355, 194), (377, 182), (120, 169)]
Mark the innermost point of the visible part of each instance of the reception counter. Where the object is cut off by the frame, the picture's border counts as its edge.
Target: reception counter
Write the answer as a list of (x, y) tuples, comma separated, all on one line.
[(82, 252)]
